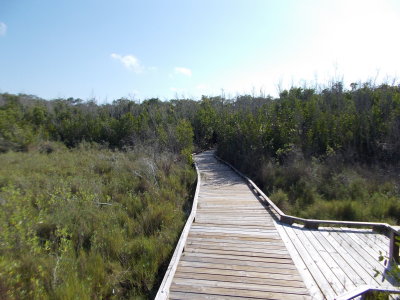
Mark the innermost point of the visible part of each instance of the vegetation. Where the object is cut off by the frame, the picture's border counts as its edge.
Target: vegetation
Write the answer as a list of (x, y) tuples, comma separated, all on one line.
[(88, 223), (93, 197), (87, 220), (333, 154)]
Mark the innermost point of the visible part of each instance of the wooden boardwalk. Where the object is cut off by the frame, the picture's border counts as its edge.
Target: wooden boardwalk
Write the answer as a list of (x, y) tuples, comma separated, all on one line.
[(235, 248)]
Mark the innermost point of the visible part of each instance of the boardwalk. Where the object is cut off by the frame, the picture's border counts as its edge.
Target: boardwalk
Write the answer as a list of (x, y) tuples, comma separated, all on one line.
[(235, 248)]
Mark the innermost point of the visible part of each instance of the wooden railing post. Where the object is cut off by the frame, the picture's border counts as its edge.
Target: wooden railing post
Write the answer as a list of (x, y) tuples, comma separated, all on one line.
[(311, 225), (286, 219), (394, 247)]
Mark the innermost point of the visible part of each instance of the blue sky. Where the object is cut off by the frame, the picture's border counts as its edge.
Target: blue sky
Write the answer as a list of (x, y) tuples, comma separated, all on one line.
[(141, 49)]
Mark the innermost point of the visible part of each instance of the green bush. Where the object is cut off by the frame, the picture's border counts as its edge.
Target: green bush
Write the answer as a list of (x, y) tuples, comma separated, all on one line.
[(281, 199)]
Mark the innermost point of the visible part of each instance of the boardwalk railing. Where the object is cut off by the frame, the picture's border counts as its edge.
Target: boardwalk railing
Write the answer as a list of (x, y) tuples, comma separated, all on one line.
[(363, 292), (392, 232), (170, 272)]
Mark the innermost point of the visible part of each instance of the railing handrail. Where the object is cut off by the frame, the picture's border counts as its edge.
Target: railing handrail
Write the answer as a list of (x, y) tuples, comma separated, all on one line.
[(389, 230), (163, 290)]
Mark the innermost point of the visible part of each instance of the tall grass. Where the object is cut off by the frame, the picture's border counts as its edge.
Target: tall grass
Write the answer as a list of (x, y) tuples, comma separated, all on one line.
[(89, 223)]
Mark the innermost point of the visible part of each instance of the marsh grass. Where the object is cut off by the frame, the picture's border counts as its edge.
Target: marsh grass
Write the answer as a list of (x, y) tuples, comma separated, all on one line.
[(88, 223)]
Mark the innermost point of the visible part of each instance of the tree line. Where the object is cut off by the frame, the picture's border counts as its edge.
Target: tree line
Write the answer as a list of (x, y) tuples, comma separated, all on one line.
[(361, 124)]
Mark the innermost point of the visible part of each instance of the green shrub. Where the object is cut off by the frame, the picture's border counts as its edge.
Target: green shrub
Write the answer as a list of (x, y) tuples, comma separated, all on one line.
[(281, 199)]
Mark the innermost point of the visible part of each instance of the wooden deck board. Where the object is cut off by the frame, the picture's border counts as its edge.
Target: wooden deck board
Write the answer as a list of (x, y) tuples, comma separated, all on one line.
[(243, 247), (223, 283), (217, 291), (276, 253), (270, 269), (277, 278)]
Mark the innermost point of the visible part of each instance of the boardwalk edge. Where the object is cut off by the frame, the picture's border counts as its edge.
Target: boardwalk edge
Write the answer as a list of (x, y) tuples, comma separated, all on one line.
[(163, 291)]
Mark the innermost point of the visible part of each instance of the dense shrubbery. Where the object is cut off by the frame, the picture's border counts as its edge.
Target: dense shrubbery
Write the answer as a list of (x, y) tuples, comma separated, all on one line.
[(333, 154), (26, 121), (88, 223), (362, 125)]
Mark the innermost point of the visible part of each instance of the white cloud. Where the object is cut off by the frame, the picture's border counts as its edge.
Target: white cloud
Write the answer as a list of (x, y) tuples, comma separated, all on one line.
[(129, 61), (183, 71), (3, 29)]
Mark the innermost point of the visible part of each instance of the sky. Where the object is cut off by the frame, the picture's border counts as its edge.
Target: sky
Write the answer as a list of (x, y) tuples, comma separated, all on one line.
[(106, 50)]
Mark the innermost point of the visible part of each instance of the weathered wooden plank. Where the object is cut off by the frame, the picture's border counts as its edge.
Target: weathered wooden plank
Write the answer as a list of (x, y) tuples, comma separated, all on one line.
[(270, 269), (222, 212), (269, 255), (246, 221), (243, 215), (175, 295), (245, 225), (282, 282), (228, 291), (240, 286), (240, 220), (248, 218), (237, 236), (248, 242), (237, 262), (242, 247), (234, 228), (243, 231), (281, 278), (240, 259)]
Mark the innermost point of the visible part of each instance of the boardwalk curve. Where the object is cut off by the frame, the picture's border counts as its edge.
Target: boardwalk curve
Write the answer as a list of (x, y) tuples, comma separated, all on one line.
[(234, 247)]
